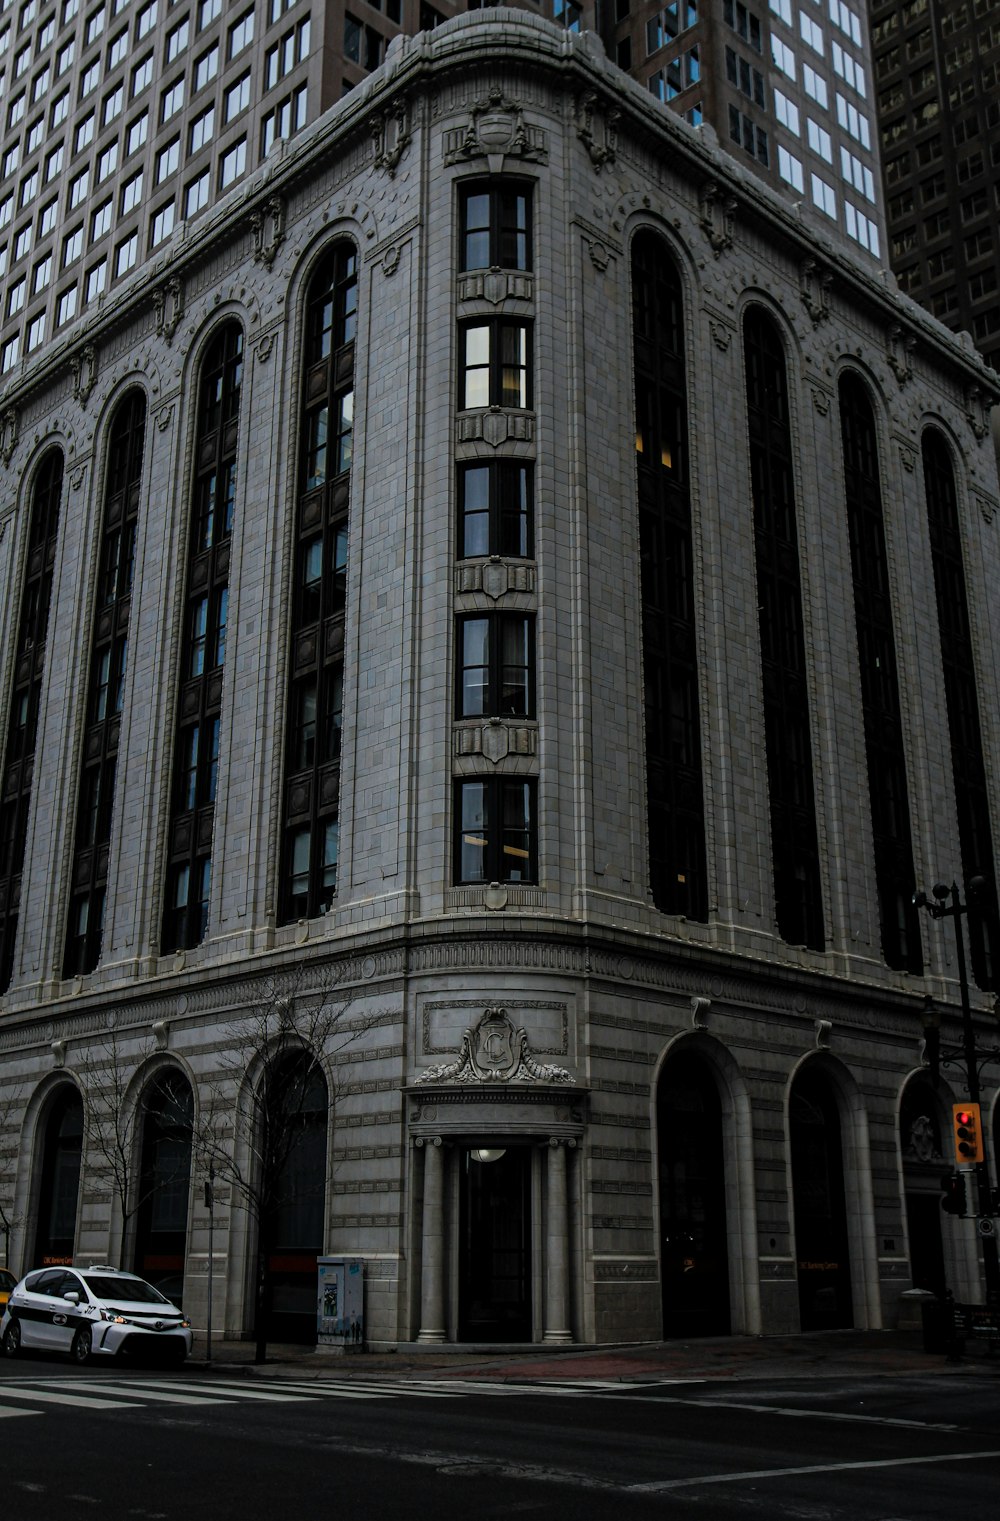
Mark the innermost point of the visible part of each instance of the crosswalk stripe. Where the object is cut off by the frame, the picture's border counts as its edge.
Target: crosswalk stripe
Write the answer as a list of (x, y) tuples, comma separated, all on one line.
[(45, 1397), (238, 1390), (4, 1412), (126, 1391), (379, 1391)]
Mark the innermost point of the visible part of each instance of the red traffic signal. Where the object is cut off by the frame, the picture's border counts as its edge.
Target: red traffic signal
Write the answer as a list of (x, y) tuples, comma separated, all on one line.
[(967, 1133), (953, 1201)]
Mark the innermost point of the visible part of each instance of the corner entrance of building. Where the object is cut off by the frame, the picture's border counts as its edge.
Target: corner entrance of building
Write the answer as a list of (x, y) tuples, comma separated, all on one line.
[(694, 1263), (495, 1246)]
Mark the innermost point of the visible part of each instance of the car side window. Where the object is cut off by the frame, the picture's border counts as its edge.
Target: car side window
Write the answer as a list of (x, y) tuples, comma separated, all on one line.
[(47, 1283)]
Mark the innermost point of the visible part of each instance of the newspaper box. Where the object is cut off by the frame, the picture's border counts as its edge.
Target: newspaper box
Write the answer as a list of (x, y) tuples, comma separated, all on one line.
[(340, 1308)]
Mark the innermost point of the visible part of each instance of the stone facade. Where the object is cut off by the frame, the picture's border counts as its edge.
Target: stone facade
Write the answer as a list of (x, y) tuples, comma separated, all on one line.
[(532, 1017)]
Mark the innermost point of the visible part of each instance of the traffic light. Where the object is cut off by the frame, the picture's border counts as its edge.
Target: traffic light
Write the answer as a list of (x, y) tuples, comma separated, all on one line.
[(967, 1133), (953, 1202)]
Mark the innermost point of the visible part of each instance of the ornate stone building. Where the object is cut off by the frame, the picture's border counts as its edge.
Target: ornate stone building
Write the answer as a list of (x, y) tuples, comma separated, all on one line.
[(499, 607)]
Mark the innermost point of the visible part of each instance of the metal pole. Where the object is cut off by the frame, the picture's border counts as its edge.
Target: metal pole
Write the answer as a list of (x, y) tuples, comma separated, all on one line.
[(984, 1210), (210, 1201)]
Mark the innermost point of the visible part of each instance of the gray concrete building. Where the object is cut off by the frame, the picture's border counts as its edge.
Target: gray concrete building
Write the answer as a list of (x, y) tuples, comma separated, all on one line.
[(499, 621)]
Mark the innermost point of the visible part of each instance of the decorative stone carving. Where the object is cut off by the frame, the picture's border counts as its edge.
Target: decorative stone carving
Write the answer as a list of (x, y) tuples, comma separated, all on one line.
[(161, 1033), (77, 478), (699, 1012), (496, 739), (9, 427), (58, 1049), (390, 136), (907, 459), (721, 335), (479, 575), (495, 286), (987, 508), (268, 228), (495, 427), (821, 401), (814, 288), (495, 1050), (84, 367), (164, 416), (496, 130), (265, 348), (599, 256), (899, 351), (169, 302), (717, 216), (924, 1143), (597, 129), (977, 410), (824, 1029), (391, 258)]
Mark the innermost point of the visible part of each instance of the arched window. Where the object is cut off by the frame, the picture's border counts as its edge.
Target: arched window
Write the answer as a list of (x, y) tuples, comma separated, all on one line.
[(676, 814), (62, 1148), (821, 1238), (22, 724), (311, 832), (203, 646), (105, 692), (887, 789), (164, 1183), (967, 760), (794, 848), (292, 1152)]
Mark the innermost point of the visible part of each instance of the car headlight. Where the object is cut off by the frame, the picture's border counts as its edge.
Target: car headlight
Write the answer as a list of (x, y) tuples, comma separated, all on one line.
[(116, 1320)]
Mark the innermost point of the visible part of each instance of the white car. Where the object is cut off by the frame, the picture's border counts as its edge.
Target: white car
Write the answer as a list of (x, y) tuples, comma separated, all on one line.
[(92, 1312)]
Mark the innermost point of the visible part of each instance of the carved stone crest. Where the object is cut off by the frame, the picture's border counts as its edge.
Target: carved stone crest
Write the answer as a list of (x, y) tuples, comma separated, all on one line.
[(814, 289), (977, 410), (899, 353), (8, 434), (717, 217), (597, 129), (495, 1050), (84, 374), (496, 130), (268, 228), (169, 303), (390, 135)]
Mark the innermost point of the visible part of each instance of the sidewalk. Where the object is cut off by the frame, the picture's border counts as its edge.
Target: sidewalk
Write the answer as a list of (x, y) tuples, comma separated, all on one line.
[(831, 1354)]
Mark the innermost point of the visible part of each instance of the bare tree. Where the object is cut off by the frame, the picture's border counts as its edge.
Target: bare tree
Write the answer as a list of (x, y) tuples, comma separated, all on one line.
[(10, 1105), (254, 1129), (113, 1130)]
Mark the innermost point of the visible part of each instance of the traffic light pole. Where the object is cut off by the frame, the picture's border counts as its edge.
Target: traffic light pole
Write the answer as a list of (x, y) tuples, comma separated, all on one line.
[(984, 1202)]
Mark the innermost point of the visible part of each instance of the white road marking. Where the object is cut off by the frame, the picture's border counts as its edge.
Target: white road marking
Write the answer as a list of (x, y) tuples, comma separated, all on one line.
[(656, 1486), (821, 1415), (44, 1397), (4, 1412), (234, 1391), (141, 1393)]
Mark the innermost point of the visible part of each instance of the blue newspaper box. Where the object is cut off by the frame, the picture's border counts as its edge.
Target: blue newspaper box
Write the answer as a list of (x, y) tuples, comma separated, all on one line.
[(340, 1304)]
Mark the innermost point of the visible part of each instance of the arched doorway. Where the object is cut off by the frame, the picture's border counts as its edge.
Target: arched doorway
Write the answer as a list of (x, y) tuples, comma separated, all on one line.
[(164, 1183), (694, 1264), (293, 1162), (923, 1168), (62, 1150), (821, 1242)]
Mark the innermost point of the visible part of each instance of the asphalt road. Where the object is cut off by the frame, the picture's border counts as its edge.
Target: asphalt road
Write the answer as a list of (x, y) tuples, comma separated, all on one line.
[(117, 1443)]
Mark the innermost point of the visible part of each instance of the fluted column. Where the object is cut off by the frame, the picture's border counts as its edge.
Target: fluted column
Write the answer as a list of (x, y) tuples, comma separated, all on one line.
[(557, 1327), (432, 1326)]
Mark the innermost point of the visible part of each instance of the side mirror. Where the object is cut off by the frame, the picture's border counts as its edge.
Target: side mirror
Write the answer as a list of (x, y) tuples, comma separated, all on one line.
[(72, 1296)]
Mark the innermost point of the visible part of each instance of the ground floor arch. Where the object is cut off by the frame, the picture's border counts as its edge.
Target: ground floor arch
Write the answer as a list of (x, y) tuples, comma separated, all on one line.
[(822, 1247), (59, 1187), (692, 1198)]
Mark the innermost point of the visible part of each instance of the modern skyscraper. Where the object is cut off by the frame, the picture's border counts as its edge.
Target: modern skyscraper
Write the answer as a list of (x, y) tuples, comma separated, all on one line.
[(937, 73), (124, 120)]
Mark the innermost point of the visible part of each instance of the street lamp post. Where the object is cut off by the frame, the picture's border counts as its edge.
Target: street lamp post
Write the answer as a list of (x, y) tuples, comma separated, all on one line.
[(938, 909)]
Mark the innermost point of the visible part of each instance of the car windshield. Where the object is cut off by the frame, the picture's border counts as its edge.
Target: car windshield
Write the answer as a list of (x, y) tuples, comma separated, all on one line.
[(132, 1290)]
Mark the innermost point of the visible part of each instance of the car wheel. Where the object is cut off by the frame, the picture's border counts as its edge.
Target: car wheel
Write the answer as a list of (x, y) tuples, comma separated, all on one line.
[(12, 1339), (81, 1348)]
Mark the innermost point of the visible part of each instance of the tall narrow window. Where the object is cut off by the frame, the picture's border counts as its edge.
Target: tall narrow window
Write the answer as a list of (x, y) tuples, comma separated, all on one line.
[(887, 787), (196, 751), (22, 725), (957, 657), (310, 849), (794, 851), (108, 658), (495, 225), (676, 815)]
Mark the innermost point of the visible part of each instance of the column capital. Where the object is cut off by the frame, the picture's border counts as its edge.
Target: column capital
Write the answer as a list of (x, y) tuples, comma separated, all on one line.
[(428, 1140), (562, 1140)]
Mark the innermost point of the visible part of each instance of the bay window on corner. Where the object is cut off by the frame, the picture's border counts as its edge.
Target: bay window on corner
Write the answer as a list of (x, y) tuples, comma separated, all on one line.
[(495, 364), (495, 225), (495, 509), (495, 830), (495, 666)]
